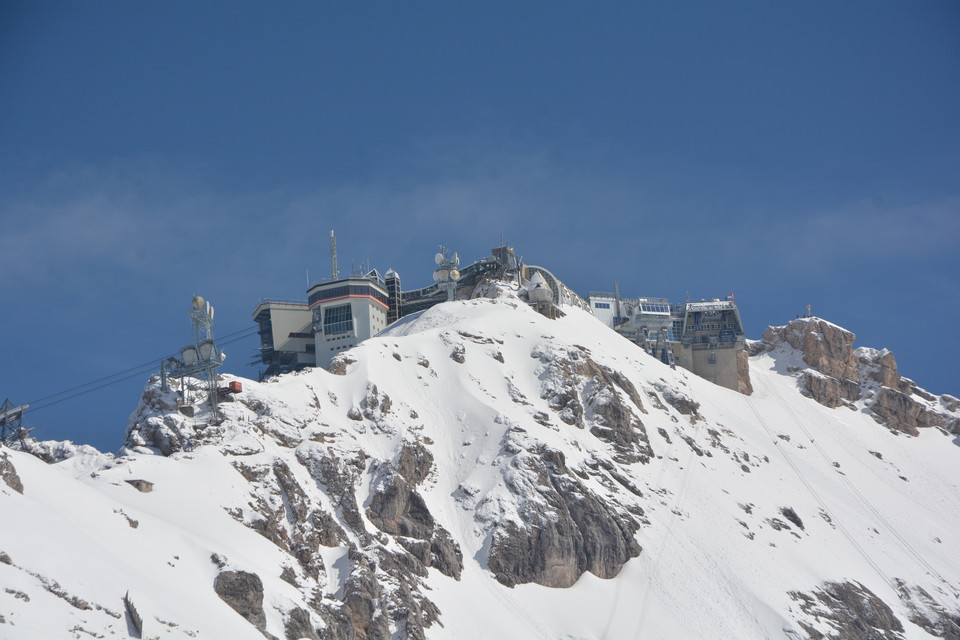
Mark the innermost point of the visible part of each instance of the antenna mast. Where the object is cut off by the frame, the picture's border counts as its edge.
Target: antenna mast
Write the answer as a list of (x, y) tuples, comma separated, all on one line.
[(334, 272), (616, 289)]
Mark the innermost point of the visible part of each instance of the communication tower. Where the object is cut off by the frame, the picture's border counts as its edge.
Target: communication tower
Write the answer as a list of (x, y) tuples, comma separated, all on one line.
[(447, 272), (202, 357)]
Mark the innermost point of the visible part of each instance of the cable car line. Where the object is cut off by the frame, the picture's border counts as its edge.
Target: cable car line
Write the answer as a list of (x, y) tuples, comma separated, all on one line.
[(860, 497), (131, 372), (823, 505)]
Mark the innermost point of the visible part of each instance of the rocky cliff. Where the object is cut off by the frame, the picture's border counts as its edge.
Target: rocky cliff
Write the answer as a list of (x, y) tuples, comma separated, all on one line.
[(864, 378)]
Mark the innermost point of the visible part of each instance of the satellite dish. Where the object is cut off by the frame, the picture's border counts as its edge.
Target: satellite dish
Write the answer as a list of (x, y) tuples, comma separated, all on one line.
[(438, 258), (443, 274), (189, 355), (197, 302), (454, 274), (436, 276), (206, 350)]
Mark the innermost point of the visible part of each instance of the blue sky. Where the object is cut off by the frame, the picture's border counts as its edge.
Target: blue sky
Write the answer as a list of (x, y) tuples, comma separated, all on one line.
[(793, 153)]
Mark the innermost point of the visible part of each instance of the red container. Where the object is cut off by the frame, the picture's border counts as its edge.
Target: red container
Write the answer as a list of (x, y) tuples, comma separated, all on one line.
[(236, 387)]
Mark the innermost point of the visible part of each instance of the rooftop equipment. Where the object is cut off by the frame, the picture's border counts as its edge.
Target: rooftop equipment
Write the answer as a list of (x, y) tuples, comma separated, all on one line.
[(202, 357)]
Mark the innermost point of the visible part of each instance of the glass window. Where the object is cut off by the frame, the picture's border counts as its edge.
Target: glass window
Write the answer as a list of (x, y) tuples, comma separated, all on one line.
[(337, 320)]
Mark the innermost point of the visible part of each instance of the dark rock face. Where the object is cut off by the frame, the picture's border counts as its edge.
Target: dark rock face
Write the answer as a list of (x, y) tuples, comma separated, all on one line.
[(571, 532), (792, 516), (305, 538), (340, 364), (9, 474), (244, 593), (825, 346), (827, 349), (358, 617), (878, 366), (329, 531), (298, 626), (681, 403), (901, 412), (855, 612), (925, 612), (414, 462), (340, 479), (840, 375), (573, 382), (398, 509), (828, 391), (445, 554)]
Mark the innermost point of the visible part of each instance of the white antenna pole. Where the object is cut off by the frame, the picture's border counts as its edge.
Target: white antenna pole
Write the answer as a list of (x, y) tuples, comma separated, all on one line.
[(616, 289), (334, 272)]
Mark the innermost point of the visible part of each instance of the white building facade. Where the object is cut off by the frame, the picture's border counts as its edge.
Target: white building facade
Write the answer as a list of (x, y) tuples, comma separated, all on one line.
[(345, 312)]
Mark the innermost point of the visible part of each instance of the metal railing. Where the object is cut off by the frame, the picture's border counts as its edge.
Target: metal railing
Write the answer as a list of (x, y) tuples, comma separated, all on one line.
[(300, 303)]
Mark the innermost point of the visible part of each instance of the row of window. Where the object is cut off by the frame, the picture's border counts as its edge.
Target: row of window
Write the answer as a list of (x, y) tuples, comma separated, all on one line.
[(717, 327), (655, 307), (348, 290), (337, 319), (601, 305)]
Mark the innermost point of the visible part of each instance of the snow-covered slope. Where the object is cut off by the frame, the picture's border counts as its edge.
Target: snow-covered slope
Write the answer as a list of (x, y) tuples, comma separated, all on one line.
[(481, 471)]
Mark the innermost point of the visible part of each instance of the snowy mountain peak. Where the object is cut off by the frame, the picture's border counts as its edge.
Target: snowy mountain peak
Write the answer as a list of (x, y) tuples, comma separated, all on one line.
[(479, 470)]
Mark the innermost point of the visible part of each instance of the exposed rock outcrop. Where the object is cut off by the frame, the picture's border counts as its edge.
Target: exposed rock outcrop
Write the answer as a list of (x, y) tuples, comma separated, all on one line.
[(828, 350), (244, 593), (829, 391), (879, 367), (566, 531), (398, 509), (852, 610), (8, 474), (414, 462), (299, 626), (825, 346), (358, 617), (573, 383), (925, 612), (839, 375), (902, 412)]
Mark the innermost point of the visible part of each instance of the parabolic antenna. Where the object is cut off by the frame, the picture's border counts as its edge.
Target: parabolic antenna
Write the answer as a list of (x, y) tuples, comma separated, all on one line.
[(443, 274), (436, 276), (438, 258), (206, 349), (454, 274), (189, 355), (197, 302)]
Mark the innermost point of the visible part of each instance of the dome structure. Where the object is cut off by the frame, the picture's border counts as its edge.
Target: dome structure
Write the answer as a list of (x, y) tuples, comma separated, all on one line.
[(538, 290)]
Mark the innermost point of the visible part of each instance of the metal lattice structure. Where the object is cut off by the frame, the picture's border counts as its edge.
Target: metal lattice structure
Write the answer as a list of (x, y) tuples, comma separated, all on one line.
[(202, 358), (11, 424)]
